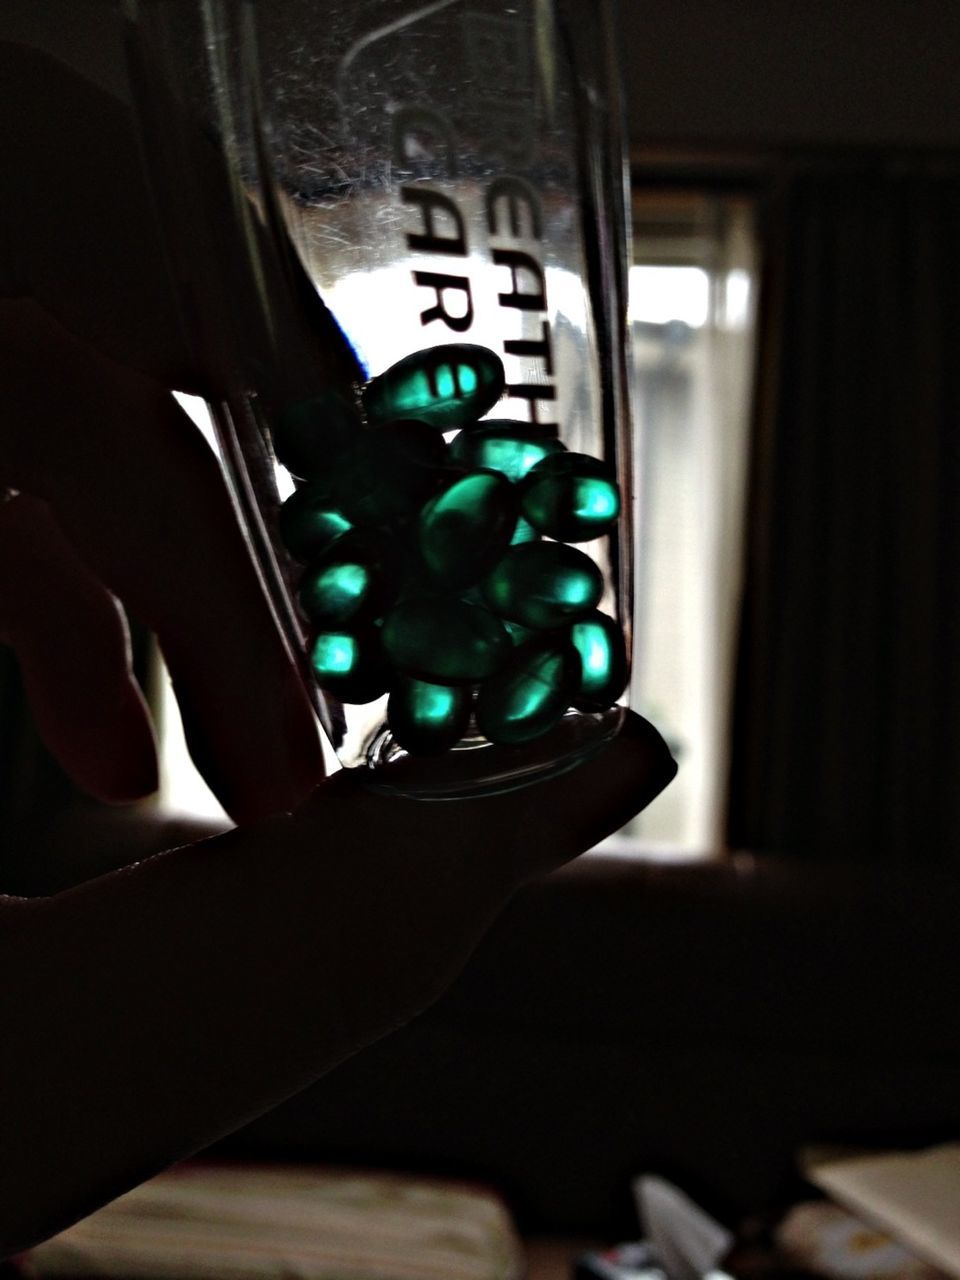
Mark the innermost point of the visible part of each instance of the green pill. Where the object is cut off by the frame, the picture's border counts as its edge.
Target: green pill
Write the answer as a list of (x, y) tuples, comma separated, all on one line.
[(415, 579), (308, 523), (427, 719), (603, 662), (445, 386), (353, 580), (571, 496), (503, 445), (444, 641), (336, 593), (309, 436), (527, 698), (388, 472), (348, 663), (465, 530), (543, 585)]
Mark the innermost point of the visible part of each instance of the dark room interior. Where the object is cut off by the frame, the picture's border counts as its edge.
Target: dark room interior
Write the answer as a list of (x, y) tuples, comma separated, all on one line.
[(707, 1015)]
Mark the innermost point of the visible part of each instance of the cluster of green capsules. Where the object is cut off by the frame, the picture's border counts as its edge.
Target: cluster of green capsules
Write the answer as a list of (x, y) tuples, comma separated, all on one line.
[(441, 573)]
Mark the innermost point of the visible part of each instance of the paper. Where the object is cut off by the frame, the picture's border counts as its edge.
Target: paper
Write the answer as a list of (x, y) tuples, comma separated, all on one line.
[(686, 1240), (913, 1196)]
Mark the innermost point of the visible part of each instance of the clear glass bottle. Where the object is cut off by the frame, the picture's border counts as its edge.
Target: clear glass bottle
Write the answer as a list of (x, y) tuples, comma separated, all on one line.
[(400, 239)]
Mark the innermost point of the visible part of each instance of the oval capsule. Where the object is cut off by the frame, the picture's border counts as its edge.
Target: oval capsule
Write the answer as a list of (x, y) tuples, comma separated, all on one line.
[(543, 585), (309, 436), (504, 445), (603, 661), (444, 641), (427, 719), (529, 695), (388, 473), (308, 523), (353, 580), (571, 497), (463, 531), (445, 386), (348, 662)]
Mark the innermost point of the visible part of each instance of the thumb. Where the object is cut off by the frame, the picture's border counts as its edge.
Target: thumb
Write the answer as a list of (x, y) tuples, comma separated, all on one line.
[(418, 882)]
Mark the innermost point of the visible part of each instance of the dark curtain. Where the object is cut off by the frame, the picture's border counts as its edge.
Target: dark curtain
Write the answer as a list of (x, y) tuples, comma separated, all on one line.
[(847, 708)]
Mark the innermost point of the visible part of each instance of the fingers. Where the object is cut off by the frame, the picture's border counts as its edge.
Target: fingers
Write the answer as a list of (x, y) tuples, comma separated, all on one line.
[(71, 641), (583, 807), (141, 498), (521, 833)]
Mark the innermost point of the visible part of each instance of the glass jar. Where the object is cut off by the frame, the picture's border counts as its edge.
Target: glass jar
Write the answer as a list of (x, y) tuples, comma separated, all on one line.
[(400, 238)]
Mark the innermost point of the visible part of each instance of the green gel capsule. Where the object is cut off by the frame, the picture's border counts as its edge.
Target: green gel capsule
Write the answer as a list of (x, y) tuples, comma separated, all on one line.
[(353, 580), (388, 473), (348, 663), (503, 445), (307, 522), (427, 719), (335, 594), (444, 641), (414, 579), (603, 662), (445, 386), (309, 436), (464, 531), (527, 698), (571, 497), (543, 585)]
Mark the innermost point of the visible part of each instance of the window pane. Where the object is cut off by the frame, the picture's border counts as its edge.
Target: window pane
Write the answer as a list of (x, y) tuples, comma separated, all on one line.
[(692, 291)]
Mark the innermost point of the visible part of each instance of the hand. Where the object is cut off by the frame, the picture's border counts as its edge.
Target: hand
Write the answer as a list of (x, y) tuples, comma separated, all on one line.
[(158, 1008), (122, 498)]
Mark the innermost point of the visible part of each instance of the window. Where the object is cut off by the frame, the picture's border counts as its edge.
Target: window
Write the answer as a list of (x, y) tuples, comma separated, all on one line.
[(182, 789), (691, 312)]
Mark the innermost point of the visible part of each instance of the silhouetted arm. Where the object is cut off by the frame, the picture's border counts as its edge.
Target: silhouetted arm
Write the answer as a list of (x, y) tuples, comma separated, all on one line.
[(149, 1012)]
